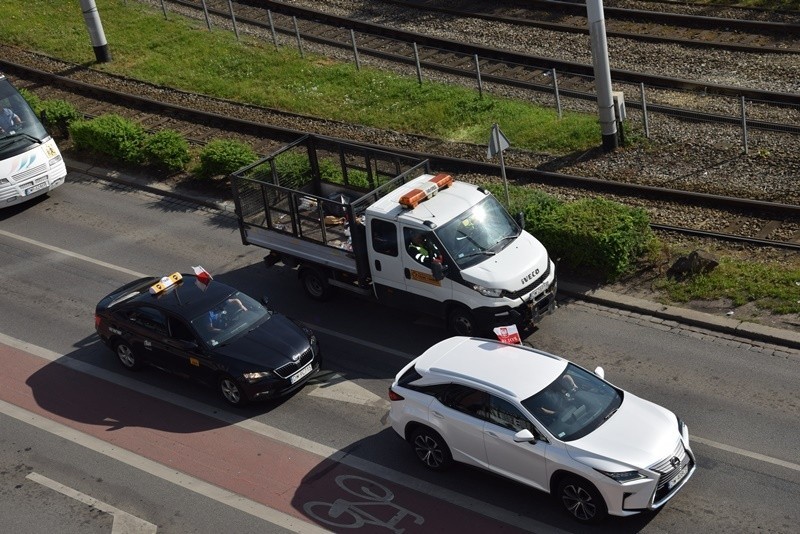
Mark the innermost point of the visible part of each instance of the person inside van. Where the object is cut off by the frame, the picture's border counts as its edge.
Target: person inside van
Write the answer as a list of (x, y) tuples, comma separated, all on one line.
[(8, 119)]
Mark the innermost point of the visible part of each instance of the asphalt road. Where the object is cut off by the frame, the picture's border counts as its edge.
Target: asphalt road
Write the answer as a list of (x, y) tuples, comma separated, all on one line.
[(149, 447)]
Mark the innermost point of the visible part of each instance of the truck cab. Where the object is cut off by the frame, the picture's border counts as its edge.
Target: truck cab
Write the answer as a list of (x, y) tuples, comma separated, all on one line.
[(481, 270)]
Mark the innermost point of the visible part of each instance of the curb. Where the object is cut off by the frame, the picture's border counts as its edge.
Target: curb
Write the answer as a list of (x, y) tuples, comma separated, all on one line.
[(735, 327), (726, 325)]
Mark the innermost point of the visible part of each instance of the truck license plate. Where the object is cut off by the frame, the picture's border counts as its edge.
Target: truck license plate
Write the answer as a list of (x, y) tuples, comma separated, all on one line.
[(301, 373)]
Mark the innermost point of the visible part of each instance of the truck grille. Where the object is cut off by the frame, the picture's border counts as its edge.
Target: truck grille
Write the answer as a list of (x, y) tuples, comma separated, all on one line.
[(530, 287)]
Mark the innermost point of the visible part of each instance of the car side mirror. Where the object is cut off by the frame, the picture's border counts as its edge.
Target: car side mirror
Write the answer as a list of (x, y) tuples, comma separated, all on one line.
[(265, 301), (599, 372), (520, 218), (524, 435)]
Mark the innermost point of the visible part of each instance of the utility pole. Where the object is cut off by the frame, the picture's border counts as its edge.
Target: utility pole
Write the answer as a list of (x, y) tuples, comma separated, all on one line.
[(95, 27), (602, 73)]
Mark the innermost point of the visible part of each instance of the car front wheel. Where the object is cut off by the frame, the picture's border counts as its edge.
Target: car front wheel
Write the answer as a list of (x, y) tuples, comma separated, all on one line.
[(431, 449), (231, 392), (127, 357), (581, 500)]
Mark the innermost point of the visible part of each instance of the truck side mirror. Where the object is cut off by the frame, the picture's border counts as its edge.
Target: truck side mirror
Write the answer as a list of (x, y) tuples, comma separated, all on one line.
[(520, 218), (438, 270)]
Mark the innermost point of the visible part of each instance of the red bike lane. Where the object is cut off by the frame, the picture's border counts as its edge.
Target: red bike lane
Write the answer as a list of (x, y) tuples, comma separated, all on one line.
[(289, 479)]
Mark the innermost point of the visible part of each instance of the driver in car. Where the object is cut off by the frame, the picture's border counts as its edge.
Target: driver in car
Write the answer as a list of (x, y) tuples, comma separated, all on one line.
[(216, 316)]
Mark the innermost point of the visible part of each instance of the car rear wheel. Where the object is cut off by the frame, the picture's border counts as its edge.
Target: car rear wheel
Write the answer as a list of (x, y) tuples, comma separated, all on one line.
[(431, 449), (126, 356), (581, 500), (231, 392)]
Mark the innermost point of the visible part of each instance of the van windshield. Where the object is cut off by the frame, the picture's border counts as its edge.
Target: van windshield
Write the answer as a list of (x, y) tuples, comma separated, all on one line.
[(26, 130), (480, 232)]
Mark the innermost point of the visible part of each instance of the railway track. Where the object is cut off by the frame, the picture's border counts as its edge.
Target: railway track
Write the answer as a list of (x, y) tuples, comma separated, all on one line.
[(767, 110), (201, 119), (739, 34)]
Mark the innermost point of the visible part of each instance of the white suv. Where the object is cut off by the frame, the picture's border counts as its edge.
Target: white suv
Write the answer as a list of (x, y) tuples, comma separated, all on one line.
[(540, 420)]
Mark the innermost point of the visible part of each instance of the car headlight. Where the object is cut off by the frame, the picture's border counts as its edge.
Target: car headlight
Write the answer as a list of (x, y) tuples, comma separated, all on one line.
[(487, 291), (623, 476), (253, 377)]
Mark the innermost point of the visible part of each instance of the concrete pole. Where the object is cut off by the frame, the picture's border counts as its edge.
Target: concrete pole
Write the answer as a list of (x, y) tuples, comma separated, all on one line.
[(602, 73), (95, 27)]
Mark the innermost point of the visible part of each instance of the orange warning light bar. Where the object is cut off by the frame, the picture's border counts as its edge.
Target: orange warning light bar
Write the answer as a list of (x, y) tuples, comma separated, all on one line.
[(426, 191)]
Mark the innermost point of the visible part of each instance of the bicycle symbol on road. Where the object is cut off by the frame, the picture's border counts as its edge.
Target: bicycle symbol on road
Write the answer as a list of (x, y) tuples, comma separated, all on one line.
[(348, 514)]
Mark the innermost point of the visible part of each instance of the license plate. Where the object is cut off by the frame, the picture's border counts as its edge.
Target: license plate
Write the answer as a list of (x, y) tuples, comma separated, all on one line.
[(35, 188), (678, 478), (301, 373)]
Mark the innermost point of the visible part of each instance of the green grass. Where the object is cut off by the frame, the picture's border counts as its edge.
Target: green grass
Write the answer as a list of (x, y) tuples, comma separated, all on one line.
[(769, 288), (182, 53)]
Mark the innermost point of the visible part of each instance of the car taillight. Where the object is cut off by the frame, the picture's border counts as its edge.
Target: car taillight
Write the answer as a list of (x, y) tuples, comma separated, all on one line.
[(394, 396), (97, 321)]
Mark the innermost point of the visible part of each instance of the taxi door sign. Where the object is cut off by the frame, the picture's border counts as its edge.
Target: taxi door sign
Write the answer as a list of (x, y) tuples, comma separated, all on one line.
[(425, 278), (508, 334)]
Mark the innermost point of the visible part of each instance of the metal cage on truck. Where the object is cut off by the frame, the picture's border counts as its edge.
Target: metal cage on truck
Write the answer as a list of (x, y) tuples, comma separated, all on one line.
[(306, 199)]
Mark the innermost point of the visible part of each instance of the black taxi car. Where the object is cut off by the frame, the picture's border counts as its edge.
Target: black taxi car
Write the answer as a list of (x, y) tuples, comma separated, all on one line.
[(197, 327)]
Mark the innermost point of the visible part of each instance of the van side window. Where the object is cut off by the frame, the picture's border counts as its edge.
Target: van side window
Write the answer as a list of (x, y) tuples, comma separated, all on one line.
[(384, 237)]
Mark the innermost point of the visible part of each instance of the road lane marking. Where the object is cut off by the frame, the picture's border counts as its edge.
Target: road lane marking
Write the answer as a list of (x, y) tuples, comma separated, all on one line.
[(72, 254), (163, 472), (334, 386), (124, 523), (743, 452)]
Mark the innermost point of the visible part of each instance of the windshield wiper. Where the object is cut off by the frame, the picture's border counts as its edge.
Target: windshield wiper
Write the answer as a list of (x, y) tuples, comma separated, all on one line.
[(478, 253), (612, 412)]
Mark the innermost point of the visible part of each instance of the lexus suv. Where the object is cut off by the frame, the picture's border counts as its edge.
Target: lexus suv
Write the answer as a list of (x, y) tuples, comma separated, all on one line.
[(541, 420)]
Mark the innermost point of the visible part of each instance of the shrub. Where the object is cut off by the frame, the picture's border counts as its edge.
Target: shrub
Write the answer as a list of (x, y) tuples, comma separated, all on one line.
[(33, 100), (112, 135), (167, 150), (597, 237), (224, 156), (57, 115), (594, 238)]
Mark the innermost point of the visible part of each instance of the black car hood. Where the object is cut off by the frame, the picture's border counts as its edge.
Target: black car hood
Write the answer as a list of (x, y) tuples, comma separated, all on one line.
[(270, 345)]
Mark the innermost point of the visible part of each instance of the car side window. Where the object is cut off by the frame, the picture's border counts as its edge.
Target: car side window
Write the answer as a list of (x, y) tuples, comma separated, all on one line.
[(179, 330), (503, 413), (465, 399), (149, 318)]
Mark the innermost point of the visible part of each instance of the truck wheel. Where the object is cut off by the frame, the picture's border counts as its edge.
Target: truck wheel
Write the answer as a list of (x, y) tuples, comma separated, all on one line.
[(461, 322), (315, 284)]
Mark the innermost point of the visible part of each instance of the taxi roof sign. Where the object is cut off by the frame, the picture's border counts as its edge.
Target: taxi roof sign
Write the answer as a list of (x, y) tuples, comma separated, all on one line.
[(165, 282)]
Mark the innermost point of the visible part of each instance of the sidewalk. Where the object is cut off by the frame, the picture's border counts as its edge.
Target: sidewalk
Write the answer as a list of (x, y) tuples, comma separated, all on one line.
[(726, 325)]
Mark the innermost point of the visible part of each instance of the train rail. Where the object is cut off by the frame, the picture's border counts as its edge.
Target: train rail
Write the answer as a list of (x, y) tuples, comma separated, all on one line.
[(740, 34), (735, 219), (767, 110)]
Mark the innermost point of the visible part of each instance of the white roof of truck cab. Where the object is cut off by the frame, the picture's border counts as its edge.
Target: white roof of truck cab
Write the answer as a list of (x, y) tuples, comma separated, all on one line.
[(445, 205), (516, 370)]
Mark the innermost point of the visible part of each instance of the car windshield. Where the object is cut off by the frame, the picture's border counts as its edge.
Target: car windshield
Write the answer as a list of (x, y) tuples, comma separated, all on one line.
[(235, 315), (480, 232), (575, 404)]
